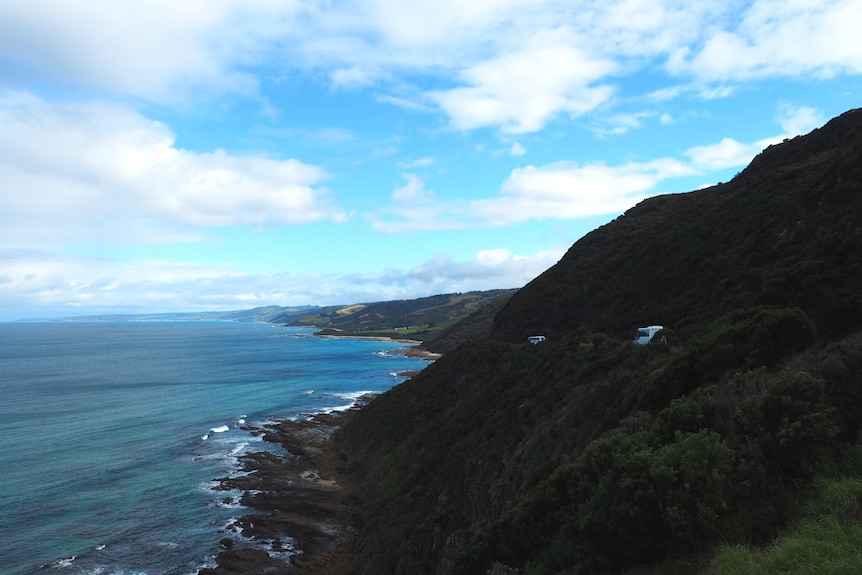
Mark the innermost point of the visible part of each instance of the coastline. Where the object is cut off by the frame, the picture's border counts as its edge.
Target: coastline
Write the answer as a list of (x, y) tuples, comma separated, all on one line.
[(411, 351), (301, 508), (301, 515)]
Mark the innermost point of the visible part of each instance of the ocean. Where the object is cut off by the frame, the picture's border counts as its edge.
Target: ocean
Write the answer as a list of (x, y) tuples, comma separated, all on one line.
[(112, 434)]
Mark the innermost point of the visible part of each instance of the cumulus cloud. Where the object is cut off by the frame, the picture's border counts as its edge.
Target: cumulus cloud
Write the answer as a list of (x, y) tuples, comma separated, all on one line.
[(159, 50), (413, 191), (102, 172), (561, 190), (777, 39), (414, 208), (522, 91), (569, 190), (513, 65), (725, 154), (798, 120)]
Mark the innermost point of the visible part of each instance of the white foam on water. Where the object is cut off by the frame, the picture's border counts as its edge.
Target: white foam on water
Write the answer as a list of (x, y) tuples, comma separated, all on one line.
[(232, 502), (282, 550), (208, 563), (353, 398), (220, 429), (60, 563)]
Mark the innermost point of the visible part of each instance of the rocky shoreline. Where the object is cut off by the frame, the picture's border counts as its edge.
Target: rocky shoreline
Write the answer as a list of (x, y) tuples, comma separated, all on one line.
[(303, 513)]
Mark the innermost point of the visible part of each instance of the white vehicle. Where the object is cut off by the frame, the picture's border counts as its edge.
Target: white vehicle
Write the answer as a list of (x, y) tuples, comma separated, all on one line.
[(534, 339), (644, 334)]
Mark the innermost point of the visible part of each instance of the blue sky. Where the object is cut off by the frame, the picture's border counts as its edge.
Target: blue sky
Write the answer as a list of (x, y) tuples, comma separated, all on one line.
[(227, 154)]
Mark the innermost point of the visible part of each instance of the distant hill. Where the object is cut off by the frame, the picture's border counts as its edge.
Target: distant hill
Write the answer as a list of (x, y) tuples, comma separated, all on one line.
[(271, 314), (422, 319), (735, 448), (440, 318)]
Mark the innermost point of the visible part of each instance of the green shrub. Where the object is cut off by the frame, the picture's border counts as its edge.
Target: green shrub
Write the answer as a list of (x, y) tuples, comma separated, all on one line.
[(790, 422), (627, 500)]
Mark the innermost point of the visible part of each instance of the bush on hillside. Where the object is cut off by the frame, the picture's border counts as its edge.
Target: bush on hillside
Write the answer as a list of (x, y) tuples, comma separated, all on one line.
[(790, 422)]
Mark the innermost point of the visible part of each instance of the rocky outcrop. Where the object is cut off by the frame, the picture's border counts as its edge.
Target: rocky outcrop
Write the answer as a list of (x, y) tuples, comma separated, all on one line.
[(302, 519)]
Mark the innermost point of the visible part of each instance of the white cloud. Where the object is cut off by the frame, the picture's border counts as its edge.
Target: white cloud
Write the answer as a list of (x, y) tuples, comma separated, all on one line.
[(562, 190), (61, 284), (513, 65), (522, 91), (775, 38), (156, 49), (725, 154), (568, 190), (794, 121), (418, 163), (45, 284), (352, 77), (100, 172), (621, 123), (412, 191), (517, 150), (798, 120), (491, 269)]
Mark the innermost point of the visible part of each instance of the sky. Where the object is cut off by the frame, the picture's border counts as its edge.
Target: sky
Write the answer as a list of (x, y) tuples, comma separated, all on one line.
[(164, 155)]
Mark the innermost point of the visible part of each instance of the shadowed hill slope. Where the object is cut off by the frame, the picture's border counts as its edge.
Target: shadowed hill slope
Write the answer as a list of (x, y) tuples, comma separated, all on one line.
[(787, 231), (588, 454)]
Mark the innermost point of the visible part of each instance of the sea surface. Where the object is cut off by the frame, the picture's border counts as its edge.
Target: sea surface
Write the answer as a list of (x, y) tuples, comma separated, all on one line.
[(112, 434)]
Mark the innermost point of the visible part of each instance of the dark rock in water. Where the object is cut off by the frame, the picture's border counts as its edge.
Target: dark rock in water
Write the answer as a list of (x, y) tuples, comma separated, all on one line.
[(247, 561), (302, 498)]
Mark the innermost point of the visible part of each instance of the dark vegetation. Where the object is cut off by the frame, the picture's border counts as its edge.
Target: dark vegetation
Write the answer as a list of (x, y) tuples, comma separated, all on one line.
[(733, 448)]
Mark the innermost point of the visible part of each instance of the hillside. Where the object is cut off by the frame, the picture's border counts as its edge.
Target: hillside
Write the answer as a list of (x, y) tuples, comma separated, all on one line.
[(785, 232), (735, 449), (421, 319)]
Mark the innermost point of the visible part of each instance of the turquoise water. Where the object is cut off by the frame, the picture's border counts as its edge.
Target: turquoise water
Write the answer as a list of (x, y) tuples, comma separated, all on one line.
[(111, 434)]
